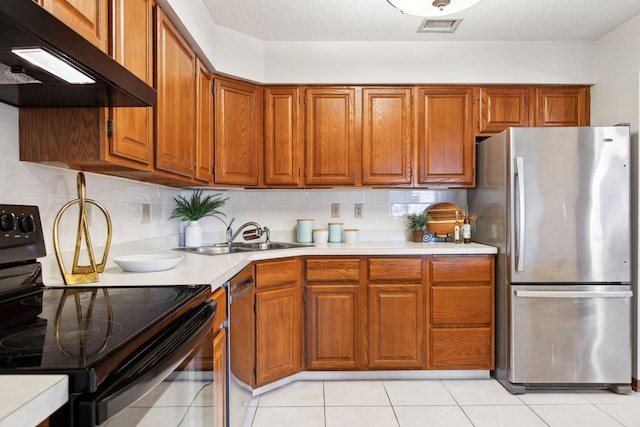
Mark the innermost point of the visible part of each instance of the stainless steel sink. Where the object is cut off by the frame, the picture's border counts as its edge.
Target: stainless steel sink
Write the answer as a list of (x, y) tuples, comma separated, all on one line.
[(226, 248), (266, 246)]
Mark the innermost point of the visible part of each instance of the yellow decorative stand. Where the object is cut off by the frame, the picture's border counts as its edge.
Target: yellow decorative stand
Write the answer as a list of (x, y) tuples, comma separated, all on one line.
[(81, 273)]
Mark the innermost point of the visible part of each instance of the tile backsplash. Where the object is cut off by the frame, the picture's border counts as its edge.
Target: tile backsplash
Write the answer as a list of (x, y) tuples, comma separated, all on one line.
[(51, 188)]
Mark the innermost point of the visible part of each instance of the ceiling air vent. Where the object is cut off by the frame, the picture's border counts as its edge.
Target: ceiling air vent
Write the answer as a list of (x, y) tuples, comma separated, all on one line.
[(439, 25)]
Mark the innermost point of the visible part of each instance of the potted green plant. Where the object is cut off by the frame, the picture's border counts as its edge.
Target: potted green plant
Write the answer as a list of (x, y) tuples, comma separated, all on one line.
[(416, 223), (194, 208)]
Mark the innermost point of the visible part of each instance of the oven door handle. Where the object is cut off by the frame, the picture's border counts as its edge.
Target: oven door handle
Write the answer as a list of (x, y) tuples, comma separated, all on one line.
[(159, 357)]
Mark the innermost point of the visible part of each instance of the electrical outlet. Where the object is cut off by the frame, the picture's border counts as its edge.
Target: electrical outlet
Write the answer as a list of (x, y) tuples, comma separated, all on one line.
[(88, 214), (358, 210), (146, 213), (335, 210)]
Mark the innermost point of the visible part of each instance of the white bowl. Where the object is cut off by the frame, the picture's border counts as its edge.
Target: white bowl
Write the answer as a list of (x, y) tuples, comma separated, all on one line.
[(148, 262)]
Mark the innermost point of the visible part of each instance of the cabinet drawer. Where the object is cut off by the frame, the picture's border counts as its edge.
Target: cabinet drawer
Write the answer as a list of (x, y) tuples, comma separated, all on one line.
[(276, 273), (468, 348), (333, 269), (462, 269), (461, 305), (220, 297), (395, 269)]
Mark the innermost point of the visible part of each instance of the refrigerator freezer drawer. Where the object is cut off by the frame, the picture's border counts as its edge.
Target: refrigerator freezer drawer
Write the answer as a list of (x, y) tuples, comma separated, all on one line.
[(570, 335)]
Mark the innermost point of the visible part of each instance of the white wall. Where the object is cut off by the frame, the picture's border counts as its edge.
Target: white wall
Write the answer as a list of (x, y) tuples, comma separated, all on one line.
[(429, 62), (245, 57), (614, 99)]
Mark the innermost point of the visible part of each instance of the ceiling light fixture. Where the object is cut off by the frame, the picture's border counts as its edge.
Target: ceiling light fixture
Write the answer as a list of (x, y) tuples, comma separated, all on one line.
[(431, 8), (54, 65)]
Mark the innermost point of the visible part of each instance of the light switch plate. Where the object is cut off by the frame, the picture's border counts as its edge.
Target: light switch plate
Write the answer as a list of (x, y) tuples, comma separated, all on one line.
[(335, 210), (358, 210)]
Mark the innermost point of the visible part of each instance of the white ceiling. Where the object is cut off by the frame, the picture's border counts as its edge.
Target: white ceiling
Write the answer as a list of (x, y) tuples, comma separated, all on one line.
[(377, 20)]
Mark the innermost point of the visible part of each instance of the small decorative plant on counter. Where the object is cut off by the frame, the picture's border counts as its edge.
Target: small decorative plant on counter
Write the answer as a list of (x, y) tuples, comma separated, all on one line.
[(193, 209), (416, 222)]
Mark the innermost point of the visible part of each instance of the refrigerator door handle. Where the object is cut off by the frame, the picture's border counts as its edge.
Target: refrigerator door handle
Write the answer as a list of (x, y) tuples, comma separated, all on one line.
[(521, 210), (574, 294)]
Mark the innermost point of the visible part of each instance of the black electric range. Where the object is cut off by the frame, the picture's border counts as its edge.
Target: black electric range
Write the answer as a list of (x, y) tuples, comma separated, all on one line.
[(114, 343)]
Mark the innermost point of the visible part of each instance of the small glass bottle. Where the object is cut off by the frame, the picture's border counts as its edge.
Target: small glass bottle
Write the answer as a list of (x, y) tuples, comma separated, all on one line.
[(466, 226), (457, 238)]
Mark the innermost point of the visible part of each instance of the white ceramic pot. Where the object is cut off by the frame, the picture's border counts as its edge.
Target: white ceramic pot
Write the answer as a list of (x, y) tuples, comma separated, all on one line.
[(193, 235)]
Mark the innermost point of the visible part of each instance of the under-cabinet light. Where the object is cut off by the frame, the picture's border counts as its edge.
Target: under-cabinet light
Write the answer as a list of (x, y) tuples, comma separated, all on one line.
[(54, 65)]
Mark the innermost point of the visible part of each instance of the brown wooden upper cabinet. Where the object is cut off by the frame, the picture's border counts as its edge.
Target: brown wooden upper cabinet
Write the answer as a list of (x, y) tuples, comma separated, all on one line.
[(387, 129), (132, 47), (562, 106), (204, 124), (118, 141), (331, 137), (238, 133), (175, 105), (500, 107), (446, 147), (283, 137), (89, 18)]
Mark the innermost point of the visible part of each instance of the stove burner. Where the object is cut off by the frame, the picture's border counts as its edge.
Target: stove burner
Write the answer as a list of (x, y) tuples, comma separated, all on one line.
[(73, 339)]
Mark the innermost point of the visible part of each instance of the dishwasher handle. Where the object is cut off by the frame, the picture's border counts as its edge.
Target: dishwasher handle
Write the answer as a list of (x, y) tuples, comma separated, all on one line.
[(574, 294), (237, 290)]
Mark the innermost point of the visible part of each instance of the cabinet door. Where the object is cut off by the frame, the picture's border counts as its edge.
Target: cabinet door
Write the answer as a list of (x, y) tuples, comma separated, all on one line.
[(220, 379), (334, 327), (132, 135), (89, 18), (278, 334), (283, 137), (330, 138), (204, 124), (175, 104), (461, 348), (238, 133), (446, 147), (504, 106), (396, 326), (562, 106), (386, 136)]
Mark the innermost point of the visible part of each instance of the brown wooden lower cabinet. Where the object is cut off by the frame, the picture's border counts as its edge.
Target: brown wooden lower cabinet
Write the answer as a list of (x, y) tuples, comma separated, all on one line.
[(396, 326), (278, 312), (461, 312), (334, 327), (378, 312), (460, 348), (278, 334)]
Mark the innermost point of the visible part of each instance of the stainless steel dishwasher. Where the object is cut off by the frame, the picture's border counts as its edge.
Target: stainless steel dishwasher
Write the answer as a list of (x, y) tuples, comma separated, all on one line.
[(241, 347)]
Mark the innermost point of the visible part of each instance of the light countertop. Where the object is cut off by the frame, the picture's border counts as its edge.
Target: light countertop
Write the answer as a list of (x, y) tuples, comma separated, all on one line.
[(217, 269), (27, 400)]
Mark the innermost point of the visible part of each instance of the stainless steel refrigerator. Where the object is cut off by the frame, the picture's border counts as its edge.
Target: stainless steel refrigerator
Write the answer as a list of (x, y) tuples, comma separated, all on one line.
[(555, 202)]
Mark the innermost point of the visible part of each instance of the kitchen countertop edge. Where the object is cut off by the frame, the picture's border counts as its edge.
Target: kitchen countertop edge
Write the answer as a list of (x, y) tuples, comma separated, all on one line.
[(216, 270), (30, 399)]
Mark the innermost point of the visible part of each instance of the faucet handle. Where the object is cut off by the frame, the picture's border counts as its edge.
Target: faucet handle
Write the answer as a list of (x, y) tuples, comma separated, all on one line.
[(256, 233)]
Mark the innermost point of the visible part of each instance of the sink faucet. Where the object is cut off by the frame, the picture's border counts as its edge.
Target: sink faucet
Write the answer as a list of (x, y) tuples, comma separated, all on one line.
[(255, 233)]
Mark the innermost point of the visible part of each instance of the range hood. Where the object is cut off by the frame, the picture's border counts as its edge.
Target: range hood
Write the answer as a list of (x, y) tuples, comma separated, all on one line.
[(25, 24)]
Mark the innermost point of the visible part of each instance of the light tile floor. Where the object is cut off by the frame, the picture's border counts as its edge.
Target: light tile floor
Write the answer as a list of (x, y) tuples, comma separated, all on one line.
[(436, 403)]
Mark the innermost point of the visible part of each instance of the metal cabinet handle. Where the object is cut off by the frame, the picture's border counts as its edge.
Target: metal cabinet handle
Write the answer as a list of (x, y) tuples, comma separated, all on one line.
[(574, 294)]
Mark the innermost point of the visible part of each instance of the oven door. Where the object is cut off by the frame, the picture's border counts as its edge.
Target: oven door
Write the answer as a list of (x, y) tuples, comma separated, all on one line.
[(165, 383)]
